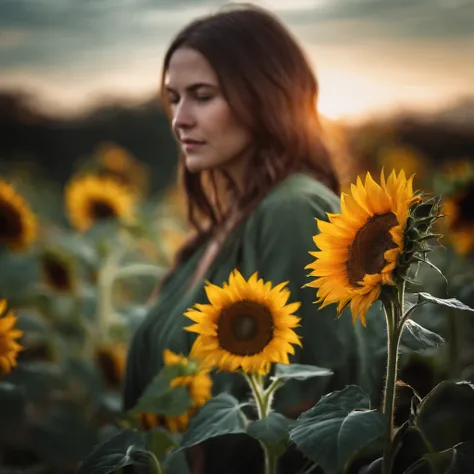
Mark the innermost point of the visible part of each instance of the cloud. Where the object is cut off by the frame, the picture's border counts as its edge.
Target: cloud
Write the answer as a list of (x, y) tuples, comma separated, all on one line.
[(358, 20), (12, 37), (65, 32), (84, 45), (69, 33)]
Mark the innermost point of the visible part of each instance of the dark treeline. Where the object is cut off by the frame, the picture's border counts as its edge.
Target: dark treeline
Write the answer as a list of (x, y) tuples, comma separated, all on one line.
[(54, 144)]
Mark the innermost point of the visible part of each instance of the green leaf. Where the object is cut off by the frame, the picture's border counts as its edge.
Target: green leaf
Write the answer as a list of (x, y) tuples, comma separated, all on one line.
[(38, 379), (221, 415), (160, 442), (18, 276), (375, 467), (86, 374), (299, 371), (409, 445), (31, 323), (434, 267), (450, 303), (457, 460), (446, 415), (12, 407), (339, 425), (462, 460), (162, 399), (124, 449), (272, 431), (409, 307), (415, 337), (63, 436)]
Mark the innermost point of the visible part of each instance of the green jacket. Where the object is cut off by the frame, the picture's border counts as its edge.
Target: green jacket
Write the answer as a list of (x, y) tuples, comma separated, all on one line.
[(275, 241)]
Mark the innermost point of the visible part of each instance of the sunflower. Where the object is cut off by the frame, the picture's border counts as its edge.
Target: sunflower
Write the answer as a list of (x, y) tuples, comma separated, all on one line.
[(361, 248), (460, 219), (57, 269), (17, 222), (247, 324), (9, 347), (90, 199), (198, 386), (118, 163)]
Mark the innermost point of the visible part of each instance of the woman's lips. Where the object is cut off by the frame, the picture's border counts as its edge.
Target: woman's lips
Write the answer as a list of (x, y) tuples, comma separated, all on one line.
[(190, 145)]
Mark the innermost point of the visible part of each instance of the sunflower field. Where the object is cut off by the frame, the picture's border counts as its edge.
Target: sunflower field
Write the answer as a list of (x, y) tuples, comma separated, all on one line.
[(81, 264), (73, 289)]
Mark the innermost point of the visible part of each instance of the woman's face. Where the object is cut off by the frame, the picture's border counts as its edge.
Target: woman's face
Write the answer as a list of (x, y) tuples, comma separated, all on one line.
[(209, 133)]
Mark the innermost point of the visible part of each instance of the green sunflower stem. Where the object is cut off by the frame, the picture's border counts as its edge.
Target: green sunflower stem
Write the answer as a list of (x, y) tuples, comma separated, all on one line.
[(105, 283), (393, 312), (263, 399), (155, 464)]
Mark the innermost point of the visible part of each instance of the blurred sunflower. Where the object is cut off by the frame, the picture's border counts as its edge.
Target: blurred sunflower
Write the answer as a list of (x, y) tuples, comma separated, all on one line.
[(360, 249), (199, 386), (90, 199), (111, 360), (247, 324), (457, 170), (460, 219), (17, 222), (58, 270), (9, 347), (405, 158), (118, 163)]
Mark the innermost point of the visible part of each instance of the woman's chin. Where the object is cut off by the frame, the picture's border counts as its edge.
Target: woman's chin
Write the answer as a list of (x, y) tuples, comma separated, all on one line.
[(196, 164)]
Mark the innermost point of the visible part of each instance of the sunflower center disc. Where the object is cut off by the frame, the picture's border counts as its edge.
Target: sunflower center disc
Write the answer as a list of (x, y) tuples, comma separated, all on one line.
[(102, 210), (366, 255), (10, 221), (109, 367), (245, 328), (57, 273)]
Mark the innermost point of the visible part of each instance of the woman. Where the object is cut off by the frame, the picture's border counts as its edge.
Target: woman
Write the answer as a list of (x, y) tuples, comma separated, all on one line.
[(241, 97)]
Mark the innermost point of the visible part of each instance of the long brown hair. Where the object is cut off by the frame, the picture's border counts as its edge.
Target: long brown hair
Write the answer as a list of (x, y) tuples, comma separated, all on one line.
[(268, 83)]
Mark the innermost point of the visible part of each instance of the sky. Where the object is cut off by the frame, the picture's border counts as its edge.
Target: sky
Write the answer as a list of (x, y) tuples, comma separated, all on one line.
[(370, 56)]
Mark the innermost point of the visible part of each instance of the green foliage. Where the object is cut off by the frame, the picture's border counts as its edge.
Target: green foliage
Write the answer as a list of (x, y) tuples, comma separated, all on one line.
[(450, 303), (457, 460), (271, 430), (160, 443), (446, 415), (124, 449), (439, 436), (415, 337), (337, 427), (12, 408), (221, 415), (299, 372), (162, 399)]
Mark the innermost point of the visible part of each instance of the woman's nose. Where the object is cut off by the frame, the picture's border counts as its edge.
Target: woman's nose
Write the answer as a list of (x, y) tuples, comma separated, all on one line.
[(183, 117)]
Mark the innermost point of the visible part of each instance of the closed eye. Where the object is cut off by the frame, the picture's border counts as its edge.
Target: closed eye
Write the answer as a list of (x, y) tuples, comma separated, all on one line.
[(204, 98)]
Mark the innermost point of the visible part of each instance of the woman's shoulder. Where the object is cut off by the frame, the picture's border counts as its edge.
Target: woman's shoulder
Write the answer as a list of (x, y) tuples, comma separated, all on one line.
[(299, 191)]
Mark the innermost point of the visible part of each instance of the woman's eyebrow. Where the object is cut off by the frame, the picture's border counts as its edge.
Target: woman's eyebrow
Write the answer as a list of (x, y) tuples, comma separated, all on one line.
[(193, 87)]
